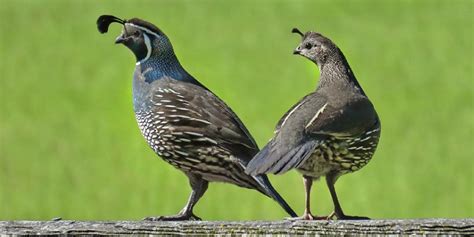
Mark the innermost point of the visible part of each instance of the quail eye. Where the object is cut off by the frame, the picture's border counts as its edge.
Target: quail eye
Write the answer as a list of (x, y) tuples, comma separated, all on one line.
[(136, 33), (308, 46)]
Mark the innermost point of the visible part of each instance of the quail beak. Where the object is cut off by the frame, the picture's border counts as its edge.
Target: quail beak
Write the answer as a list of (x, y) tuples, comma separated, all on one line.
[(297, 51), (120, 39)]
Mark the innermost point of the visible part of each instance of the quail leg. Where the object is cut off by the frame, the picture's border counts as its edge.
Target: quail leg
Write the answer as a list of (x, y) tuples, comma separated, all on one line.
[(338, 213), (307, 215), (199, 187)]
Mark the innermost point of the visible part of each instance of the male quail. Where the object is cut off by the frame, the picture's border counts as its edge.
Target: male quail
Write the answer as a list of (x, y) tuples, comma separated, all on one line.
[(330, 132), (184, 122)]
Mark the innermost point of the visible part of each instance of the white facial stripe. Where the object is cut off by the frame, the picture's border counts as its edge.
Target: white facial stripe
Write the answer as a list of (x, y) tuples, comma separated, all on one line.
[(148, 49), (144, 29)]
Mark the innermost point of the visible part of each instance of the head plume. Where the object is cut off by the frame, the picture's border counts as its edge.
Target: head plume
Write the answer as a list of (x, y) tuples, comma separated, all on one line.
[(104, 21), (295, 30)]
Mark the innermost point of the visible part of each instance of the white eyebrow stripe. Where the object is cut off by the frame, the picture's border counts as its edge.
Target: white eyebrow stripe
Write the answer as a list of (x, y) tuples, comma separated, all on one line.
[(144, 29)]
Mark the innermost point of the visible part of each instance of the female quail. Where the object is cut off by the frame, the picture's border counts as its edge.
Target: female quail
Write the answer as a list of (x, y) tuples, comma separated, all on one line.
[(330, 132)]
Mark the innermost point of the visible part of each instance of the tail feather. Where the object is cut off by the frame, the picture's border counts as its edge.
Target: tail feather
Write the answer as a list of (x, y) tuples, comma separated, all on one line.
[(258, 164), (267, 188), (279, 159), (294, 158)]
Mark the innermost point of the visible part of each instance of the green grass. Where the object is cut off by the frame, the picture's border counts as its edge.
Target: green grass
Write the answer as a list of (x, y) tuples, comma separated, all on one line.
[(70, 146)]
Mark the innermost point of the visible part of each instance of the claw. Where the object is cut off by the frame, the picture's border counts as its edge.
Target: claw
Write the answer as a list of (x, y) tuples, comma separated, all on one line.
[(310, 217), (345, 217), (331, 216), (178, 217), (307, 217)]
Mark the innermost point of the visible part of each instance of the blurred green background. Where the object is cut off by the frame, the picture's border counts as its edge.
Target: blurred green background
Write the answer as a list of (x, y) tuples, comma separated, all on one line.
[(70, 146)]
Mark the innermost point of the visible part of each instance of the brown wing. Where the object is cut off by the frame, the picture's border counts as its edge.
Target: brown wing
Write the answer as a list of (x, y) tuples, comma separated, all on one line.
[(349, 120), (198, 112)]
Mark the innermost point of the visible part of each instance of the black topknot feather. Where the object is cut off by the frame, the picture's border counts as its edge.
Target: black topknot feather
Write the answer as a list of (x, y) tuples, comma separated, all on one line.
[(104, 21), (295, 30)]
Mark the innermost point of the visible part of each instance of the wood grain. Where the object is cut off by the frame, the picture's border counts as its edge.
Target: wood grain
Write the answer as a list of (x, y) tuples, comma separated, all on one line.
[(284, 227)]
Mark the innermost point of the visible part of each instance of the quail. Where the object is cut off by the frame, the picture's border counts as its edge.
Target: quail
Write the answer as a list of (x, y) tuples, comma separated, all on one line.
[(183, 122), (330, 132)]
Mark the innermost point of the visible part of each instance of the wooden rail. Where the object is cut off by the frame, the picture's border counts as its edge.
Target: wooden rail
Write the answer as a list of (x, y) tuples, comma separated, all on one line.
[(284, 227)]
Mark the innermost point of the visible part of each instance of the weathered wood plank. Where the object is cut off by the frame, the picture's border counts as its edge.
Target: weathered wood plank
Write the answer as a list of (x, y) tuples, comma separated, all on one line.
[(284, 227)]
